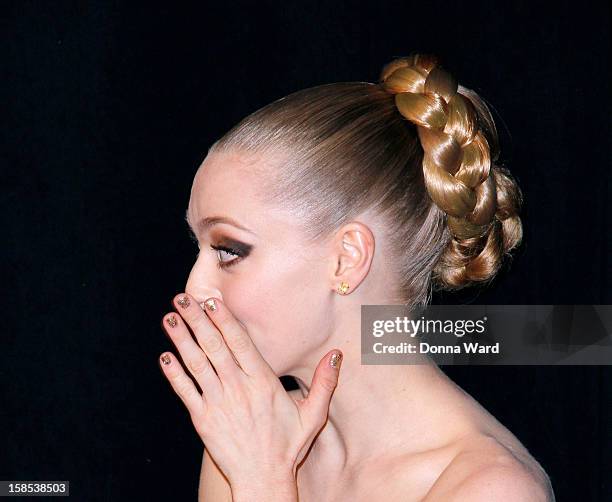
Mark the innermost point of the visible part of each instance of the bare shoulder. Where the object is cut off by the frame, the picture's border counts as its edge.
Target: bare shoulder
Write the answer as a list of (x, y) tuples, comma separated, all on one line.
[(213, 486), (490, 471)]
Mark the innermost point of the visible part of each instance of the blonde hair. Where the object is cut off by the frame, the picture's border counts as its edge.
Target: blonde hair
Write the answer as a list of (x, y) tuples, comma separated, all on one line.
[(416, 147)]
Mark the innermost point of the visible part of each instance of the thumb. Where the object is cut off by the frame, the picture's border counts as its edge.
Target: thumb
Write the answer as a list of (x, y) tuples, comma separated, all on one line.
[(324, 382)]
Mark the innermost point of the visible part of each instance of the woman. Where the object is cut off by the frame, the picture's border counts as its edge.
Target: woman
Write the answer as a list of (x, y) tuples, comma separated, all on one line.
[(334, 197)]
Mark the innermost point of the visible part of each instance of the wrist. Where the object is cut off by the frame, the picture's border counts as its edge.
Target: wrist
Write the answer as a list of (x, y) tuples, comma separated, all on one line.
[(273, 487)]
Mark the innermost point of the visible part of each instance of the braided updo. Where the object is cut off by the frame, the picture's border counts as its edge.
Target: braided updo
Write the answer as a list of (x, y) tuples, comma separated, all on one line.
[(481, 200), (415, 148)]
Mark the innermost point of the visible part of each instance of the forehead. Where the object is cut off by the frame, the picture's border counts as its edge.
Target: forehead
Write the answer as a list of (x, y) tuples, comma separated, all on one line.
[(228, 185)]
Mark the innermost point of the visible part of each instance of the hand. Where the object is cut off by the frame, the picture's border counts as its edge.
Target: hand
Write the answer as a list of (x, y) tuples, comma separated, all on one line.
[(251, 427)]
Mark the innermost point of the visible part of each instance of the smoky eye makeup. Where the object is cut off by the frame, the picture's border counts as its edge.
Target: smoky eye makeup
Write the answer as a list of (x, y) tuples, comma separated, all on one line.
[(226, 247), (234, 246), (236, 250)]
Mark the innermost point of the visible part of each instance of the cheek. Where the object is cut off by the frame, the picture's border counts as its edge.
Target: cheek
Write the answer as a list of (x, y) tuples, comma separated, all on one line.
[(277, 304)]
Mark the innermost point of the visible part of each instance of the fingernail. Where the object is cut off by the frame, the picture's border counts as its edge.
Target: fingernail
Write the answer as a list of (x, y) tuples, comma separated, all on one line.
[(171, 320), (183, 301), (165, 359), (211, 305), (335, 360)]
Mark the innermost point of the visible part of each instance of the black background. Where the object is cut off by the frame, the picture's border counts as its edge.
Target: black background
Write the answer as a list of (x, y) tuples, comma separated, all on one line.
[(110, 109)]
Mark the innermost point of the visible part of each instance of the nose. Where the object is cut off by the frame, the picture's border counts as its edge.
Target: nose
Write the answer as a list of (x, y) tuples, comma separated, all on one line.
[(201, 297), (201, 294), (200, 286)]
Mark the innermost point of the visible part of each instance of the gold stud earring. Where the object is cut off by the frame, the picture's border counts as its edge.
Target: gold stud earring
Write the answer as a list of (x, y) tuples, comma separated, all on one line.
[(343, 288)]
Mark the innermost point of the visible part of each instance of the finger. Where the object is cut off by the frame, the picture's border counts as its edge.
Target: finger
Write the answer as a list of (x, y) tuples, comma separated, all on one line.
[(194, 358), (183, 385), (237, 339), (324, 382), (209, 337)]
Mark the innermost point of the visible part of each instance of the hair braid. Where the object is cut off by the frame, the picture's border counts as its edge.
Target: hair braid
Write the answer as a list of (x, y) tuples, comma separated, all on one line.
[(481, 201)]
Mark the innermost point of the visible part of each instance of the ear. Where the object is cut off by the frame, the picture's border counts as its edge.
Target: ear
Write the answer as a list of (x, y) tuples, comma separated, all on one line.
[(352, 253)]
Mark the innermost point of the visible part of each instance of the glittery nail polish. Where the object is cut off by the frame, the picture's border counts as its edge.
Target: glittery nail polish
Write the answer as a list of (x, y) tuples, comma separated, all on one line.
[(183, 301), (211, 304), (165, 359), (335, 360), (171, 320)]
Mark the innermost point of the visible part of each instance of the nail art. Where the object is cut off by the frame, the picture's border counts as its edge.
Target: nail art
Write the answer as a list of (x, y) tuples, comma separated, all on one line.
[(171, 320), (183, 301), (210, 304), (335, 360), (165, 359)]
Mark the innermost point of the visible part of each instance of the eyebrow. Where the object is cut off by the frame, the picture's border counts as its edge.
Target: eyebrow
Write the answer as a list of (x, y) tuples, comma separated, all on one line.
[(206, 223)]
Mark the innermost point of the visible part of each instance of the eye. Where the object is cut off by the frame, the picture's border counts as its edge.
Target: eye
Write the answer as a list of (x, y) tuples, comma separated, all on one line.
[(229, 248), (229, 251)]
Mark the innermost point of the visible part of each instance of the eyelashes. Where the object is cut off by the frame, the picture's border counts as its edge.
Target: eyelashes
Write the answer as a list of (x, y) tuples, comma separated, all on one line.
[(225, 264), (235, 248)]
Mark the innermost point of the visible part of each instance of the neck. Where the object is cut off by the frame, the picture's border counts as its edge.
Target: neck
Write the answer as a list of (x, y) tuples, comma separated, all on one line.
[(377, 410)]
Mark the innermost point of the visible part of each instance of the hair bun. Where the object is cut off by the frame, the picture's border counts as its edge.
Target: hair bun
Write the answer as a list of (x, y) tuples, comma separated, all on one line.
[(480, 200)]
